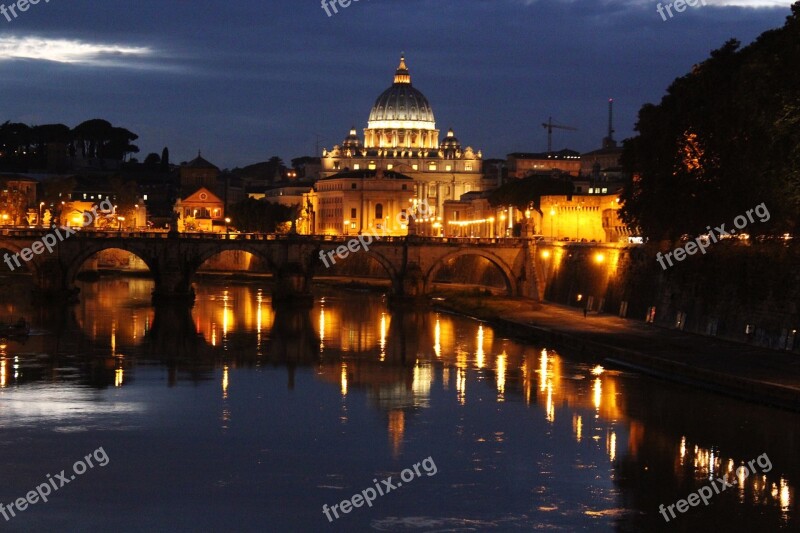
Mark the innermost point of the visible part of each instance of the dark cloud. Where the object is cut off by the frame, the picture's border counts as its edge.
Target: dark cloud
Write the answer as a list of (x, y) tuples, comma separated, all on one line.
[(248, 79)]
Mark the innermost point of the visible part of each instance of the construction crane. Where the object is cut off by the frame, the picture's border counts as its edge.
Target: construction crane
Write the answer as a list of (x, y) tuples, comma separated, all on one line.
[(549, 127)]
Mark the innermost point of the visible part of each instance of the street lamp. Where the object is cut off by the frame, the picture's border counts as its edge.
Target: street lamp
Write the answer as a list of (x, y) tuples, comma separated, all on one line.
[(41, 204), (227, 229), (120, 220)]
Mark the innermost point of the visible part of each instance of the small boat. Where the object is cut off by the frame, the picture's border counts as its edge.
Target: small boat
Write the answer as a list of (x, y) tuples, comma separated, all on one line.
[(17, 330)]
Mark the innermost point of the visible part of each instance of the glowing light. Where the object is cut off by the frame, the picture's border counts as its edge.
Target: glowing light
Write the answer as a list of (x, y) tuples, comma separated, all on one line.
[(461, 385), (501, 376), (578, 423), (683, 448), (225, 382), (598, 370), (119, 375), (543, 371), (599, 258), (344, 379), (612, 446), (321, 329), (598, 393), (437, 336), (546, 254), (383, 336), (479, 355), (2, 373), (550, 409)]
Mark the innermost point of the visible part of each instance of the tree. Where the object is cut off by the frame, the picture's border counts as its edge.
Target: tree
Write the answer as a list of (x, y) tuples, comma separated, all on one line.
[(721, 141), (252, 215), (164, 160), (528, 191)]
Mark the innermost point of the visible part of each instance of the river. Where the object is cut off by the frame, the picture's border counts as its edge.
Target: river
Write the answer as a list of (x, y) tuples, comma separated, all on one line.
[(232, 416)]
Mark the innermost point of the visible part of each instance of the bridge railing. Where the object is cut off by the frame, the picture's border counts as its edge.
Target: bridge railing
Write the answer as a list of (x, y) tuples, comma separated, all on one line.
[(91, 233)]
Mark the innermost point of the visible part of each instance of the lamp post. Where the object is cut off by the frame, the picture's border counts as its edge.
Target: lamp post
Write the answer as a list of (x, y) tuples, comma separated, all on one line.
[(120, 220), (41, 205), (227, 228)]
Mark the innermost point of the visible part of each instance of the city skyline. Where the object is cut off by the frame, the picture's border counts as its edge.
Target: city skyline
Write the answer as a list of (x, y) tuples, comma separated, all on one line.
[(214, 80)]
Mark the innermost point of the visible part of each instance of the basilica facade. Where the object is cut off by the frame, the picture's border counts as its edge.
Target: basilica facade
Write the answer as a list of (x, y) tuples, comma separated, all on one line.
[(401, 137)]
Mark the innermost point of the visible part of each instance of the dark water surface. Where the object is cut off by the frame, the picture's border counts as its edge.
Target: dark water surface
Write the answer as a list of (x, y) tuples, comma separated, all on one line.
[(232, 416)]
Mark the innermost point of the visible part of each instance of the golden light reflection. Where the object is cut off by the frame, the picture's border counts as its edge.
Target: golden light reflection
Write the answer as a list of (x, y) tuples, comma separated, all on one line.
[(598, 394), (113, 337), (479, 354), (708, 464), (3, 372), (397, 429), (437, 336), (543, 371), (383, 337), (446, 378), (683, 449), (577, 426), (119, 376), (501, 376), (344, 379), (321, 329), (550, 410), (785, 498), (612, 446), (461, 385), (225, 382)]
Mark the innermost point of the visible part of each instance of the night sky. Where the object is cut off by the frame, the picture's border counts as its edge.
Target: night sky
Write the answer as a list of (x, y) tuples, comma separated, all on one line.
[(247, 79)]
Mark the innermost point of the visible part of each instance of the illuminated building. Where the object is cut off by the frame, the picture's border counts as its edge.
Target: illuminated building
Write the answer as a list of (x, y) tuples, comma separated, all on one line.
[(521, 164), (401, 136), (199, 211), (365, 201)]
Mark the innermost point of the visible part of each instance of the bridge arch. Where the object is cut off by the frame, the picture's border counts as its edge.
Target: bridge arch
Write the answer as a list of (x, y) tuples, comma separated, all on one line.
[(93, 248), (505, 270), (11, 248), (319, 268), (233, 246)]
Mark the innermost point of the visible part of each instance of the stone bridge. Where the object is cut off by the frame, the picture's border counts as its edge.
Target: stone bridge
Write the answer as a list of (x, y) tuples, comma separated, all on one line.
[(410, 263)]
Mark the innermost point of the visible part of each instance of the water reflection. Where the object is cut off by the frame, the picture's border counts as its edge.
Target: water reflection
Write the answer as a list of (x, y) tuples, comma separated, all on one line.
[(631, 444)]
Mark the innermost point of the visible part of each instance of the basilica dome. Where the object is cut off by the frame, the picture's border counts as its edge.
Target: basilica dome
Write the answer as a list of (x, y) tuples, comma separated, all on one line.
[(402, 103)]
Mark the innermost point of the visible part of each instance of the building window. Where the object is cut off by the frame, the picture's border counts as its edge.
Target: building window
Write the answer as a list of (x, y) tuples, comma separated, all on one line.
[(605, 190), (591, 190), (352, 185), (448, 168), (353, 212), (389, 166), (356, 166), (432, 166), (415, 166), (378, 210), (468, 167), (372, 165)]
